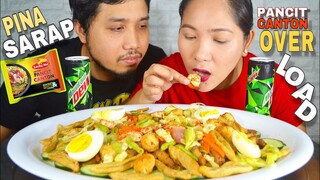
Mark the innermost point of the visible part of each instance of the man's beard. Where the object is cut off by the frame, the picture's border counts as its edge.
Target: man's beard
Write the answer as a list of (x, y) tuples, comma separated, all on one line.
[(123, 75), (116, 75)]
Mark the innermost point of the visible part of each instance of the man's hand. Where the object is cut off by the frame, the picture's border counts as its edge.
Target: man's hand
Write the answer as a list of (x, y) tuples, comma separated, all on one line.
[(5, 133)]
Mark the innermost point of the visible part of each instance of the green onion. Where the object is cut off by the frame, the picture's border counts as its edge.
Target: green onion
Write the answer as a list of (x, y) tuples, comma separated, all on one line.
[(142, 121), (166, 145), (134, 145), (134, 113), (102, 128), (187, 152)]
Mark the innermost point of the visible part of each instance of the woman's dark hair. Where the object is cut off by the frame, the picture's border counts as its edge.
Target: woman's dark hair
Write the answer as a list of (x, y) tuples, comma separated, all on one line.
[(84, 11), (241, 10)]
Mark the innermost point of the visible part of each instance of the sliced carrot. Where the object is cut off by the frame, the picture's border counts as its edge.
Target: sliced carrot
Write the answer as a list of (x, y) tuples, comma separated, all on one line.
[(161, 139), (217, 149), (155, 128), (208, 139), (131, 122), (126, 129), (132, 119), (205, 146), (198, 123), (121, 136)]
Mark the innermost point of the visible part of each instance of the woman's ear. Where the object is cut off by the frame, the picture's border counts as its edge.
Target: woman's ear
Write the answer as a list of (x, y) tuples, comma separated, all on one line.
[(80, 31), (248, 42)]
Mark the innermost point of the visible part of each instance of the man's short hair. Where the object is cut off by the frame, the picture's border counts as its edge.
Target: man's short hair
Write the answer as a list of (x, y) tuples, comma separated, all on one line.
[(84, 11)]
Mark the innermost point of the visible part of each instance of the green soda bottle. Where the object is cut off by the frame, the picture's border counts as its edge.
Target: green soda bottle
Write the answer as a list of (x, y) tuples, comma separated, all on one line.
[(78, 85), (260, 85)]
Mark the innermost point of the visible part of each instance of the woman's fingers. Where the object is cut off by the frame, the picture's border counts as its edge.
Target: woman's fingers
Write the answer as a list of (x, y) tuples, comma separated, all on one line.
[(159, 78), (160, 75)]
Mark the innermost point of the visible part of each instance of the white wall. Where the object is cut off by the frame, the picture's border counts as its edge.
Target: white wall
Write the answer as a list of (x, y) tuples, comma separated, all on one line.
[(164, 24)]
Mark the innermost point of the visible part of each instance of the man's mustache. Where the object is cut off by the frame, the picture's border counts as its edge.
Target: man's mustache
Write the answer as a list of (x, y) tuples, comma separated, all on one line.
[(131, 53)]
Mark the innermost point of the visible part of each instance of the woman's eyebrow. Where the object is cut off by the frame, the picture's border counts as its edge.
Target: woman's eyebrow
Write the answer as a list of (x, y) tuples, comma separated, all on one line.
[(210, 30), (221, 29), (188, 26)]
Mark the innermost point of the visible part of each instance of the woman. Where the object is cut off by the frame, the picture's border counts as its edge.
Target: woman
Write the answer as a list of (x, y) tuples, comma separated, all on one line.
[(214, 39)]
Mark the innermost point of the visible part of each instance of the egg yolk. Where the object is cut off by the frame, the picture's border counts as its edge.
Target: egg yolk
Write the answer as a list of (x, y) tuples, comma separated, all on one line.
[(79, 143)]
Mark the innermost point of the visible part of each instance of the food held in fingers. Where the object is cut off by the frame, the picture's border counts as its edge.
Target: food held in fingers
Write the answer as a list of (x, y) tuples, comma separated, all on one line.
[(195, 80)]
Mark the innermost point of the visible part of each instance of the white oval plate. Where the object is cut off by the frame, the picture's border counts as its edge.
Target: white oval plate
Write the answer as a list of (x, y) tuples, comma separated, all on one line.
[(24, 147)]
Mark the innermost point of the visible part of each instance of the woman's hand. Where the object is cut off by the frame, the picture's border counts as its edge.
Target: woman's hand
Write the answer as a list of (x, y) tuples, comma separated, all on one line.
[(157, 79)]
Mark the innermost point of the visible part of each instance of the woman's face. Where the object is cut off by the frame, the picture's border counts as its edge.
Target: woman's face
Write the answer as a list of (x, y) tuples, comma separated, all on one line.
[(211, 43)]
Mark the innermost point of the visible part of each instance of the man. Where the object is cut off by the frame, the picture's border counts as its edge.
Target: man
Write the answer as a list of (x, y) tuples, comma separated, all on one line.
[(114, 34)]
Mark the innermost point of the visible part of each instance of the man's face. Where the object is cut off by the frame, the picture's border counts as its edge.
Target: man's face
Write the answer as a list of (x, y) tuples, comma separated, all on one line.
[(117, 39)]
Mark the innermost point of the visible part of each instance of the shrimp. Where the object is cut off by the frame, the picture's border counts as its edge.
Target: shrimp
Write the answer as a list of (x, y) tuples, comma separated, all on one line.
[(150, 142)]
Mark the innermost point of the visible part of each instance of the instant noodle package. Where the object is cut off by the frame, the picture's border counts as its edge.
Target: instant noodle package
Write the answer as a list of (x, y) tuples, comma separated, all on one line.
[(33, 76)]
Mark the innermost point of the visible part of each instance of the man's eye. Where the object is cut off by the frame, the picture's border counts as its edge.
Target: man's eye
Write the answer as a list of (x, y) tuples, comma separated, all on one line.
[(142, 26), (117, 29)]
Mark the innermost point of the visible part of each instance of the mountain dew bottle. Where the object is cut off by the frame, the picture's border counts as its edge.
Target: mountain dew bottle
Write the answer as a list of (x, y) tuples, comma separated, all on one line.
[(260, 85), (78, 85)]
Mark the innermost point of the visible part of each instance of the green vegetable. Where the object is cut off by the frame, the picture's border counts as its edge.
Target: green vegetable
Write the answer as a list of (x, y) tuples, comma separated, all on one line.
[(182, 120), (166, 145), (60, 166), (274, 142), (258, 134), (271, 153), (168, 109), (45, 156), (156, 119), (134, 145), (149, 123), (189, 137), (187, 113), (256, 163), (102, 128), (20, 85), (272, 158), (86, 170), (146, 122), (114, 130), (187, 152), (117, 146), (110, 138), (134, 113), (142, 121), (197, 177)]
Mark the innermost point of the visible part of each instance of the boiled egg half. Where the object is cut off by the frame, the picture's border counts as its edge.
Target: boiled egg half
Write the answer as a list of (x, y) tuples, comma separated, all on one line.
[(85, 146), (244, 145), (109, 114), (203, 114)]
